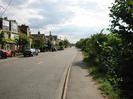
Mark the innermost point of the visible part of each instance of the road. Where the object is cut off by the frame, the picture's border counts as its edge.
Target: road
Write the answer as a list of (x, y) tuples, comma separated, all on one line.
[(36, 77)]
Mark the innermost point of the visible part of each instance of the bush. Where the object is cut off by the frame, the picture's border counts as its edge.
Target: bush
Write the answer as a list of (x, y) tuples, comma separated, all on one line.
[(102, 52)]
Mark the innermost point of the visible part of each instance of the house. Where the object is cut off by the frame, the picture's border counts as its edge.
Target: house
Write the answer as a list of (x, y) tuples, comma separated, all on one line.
[(25, 29), (14, 35), (38, 36), (9, 32), (52, 38), (39, 41), (4, 24)]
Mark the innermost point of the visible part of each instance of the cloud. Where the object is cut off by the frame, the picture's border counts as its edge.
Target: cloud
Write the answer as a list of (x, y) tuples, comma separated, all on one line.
[(74, 19)]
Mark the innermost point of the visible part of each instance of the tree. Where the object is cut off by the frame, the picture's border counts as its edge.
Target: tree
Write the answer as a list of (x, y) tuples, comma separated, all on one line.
[(66, 43), (102, 54), (122, 23), (49, 45), (122, 19), (2, 39), (81, 43), (61, 43), (23, 41), (38, 43)]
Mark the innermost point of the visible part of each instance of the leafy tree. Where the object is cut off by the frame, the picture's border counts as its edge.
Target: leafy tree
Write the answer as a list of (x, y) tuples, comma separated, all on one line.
[(122, 19), (2, 39), (122, 23), (102, 53), (81, 43), (38, 43), (49, 45), (66, 43), (23, 41), (112, 54), (61, 43)]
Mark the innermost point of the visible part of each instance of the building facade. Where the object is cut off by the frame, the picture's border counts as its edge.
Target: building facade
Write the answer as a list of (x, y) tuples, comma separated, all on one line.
[(25, 29), (39, 36), (9, 34)]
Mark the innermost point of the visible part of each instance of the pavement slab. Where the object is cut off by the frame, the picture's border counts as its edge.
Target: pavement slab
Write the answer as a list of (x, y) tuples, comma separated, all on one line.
[(81, 85)]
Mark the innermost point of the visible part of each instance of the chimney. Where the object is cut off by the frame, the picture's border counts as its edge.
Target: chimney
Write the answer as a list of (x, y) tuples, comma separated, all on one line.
[(5, 18), (38, 32), (50, 33)]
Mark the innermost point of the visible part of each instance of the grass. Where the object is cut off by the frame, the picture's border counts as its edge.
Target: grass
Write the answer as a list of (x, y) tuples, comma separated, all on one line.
[(104, 85), (108, 90)]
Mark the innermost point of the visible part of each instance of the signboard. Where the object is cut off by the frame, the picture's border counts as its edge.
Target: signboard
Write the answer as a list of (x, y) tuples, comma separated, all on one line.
[(5, 25)]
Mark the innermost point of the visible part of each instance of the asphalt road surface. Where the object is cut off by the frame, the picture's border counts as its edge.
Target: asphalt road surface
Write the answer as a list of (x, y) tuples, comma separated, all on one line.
[(34, 77)]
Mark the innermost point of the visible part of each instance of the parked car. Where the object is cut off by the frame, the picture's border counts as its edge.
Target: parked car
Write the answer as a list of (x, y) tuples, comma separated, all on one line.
[(54, 49), (8, 53), (38, 50), (5, 53), (61, 48), (30, 52), (2, 54)]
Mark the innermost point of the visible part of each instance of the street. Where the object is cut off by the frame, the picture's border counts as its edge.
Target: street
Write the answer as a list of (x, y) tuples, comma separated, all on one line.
[(36, 77)]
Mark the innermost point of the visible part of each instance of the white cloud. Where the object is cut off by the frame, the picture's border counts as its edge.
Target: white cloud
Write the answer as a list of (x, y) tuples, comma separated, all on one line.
[(72, 18), (24, 15)]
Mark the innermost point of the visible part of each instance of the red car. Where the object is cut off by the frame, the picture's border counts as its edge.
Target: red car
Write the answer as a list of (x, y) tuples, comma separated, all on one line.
[(5, 54), (2, 54), (8, 53)]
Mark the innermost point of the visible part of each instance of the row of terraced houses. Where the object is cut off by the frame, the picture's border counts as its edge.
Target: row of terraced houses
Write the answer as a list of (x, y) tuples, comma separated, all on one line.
[(12, 30)]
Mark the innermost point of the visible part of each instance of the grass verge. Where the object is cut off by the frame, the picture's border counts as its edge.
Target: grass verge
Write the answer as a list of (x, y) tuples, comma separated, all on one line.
[(104, 85)]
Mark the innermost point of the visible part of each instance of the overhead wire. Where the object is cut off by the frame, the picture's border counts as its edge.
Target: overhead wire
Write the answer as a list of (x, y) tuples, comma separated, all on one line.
[(2, 7), (6, 8)]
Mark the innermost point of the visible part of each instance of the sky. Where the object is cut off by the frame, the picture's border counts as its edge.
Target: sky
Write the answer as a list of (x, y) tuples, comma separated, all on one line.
[(70, 19)]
